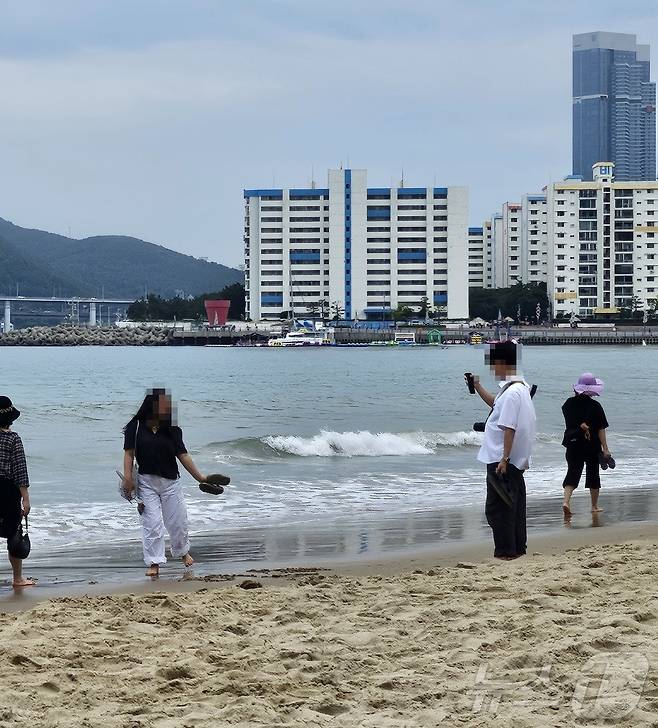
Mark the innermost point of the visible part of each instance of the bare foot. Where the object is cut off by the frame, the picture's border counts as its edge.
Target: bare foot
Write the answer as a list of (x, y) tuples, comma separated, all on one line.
[(153, 570), (24, 582), (597, 510), (566, 509), (188, 560)]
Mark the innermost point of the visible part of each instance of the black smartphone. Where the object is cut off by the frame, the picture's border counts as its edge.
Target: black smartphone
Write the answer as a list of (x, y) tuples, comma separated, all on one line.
[(470, 382)]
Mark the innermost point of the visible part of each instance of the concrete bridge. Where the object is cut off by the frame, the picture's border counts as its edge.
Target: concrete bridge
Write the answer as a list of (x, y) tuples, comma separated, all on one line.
[(71, 300)]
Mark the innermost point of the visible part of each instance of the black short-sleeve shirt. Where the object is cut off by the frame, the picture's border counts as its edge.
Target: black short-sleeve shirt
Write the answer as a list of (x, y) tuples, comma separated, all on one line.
[(155, 451), (576, 410)]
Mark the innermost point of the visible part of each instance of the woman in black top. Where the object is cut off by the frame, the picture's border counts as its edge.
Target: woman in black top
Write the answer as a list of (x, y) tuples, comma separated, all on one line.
[(14, 482), (585, 440), (156, 443)]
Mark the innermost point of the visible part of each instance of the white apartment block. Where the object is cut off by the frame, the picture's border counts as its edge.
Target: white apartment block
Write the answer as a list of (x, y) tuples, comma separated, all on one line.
[(498, 252), (477, 258), (511, 243), (365, 249), (488, 263), (602, 243), (515, 243), (534, 239)]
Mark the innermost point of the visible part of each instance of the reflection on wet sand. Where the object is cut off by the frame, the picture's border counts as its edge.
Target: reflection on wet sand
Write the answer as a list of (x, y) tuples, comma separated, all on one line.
[(343, 540)]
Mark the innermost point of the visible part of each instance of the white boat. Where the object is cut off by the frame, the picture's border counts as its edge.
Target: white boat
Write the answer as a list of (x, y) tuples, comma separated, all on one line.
[(303, 337)]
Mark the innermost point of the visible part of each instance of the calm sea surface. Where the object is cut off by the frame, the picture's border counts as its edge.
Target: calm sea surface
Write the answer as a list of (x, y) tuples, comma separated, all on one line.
[(331, 452)]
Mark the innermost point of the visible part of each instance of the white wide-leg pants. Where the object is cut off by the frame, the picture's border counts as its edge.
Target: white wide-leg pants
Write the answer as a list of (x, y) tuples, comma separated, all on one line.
[(164, 508)]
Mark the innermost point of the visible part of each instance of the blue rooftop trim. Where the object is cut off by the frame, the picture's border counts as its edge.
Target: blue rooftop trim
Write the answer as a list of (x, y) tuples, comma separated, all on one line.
[(379, 190), (402, 191), (539, 198), (440, 190), (315, 193), (475, 231), (262, 193)]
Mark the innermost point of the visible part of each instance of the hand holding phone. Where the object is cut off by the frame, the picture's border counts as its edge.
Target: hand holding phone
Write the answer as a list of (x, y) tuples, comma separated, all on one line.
[(470, 382)]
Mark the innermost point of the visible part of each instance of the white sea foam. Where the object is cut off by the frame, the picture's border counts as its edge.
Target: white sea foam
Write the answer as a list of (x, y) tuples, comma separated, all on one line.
[(367, 444)]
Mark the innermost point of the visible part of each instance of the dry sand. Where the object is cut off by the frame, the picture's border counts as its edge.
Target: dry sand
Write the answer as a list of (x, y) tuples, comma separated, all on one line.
[(558, 639)]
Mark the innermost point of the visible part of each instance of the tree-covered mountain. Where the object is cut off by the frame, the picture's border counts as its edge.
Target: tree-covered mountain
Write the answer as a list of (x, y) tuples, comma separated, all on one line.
[(44, 264)]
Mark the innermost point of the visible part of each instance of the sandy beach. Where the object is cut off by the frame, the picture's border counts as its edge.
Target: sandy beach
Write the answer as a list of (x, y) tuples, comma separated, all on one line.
[(566, 636)]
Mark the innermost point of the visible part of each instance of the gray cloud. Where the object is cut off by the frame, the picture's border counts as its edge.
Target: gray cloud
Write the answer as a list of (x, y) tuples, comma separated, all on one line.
[(148, 118)]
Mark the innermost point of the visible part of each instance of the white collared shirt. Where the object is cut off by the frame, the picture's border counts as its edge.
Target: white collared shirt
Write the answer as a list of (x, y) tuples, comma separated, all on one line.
[(513, 409)]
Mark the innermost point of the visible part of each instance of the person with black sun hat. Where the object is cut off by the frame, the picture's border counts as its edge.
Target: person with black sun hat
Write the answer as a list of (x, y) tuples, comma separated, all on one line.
[(14, 484)]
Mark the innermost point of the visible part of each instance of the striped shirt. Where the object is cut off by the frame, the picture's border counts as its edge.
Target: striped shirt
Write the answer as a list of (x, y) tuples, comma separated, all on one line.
[(12, 459)]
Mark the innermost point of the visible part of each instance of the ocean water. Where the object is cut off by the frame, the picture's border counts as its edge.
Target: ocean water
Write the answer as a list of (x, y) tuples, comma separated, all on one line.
[(315, 441)]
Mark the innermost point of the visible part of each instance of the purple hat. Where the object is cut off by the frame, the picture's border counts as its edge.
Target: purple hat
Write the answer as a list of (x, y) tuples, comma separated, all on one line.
[(588, 384)]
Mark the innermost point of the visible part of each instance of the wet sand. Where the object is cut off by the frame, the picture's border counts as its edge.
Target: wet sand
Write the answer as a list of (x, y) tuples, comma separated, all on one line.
[(343, 543), (566, 636)]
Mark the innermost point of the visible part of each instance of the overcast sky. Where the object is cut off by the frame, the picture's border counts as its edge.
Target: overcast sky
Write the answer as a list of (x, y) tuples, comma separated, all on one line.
[(149, 117)]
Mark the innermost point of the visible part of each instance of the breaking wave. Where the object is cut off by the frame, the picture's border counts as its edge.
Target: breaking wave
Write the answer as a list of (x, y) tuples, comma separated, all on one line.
[(344, 444)]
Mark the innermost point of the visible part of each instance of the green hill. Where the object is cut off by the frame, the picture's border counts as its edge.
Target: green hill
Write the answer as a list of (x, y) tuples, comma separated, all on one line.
[(43, 263)]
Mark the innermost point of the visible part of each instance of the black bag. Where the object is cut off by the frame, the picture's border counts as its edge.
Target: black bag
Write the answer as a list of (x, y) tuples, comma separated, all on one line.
[(19, 544), (10, 507), (574, 436)]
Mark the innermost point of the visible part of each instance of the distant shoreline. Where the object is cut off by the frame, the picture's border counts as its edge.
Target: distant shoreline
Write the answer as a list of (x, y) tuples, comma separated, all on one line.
[(146, 335)]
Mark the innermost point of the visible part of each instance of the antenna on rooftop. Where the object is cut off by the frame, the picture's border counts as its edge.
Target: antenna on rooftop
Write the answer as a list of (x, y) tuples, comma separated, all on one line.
[(312, 177), (402, 179)]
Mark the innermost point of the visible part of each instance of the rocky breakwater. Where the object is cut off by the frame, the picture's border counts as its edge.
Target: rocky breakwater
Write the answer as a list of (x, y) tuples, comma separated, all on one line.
[(82, 336)]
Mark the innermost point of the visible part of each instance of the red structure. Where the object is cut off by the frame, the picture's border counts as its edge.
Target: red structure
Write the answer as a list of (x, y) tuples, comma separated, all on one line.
[(217, 312)]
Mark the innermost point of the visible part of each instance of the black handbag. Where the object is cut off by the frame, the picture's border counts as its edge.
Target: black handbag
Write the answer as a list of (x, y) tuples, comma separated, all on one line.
[(19, 544)]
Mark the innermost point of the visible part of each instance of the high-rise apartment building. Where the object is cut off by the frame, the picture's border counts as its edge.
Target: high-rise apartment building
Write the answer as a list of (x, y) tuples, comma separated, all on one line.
[(614, 106), (477, 258), (365, 249), (534, 239), (488, 236), (602, 243), (514, 244)]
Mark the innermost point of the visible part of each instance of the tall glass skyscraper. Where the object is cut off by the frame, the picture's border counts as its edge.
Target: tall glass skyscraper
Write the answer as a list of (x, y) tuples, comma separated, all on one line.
[(614, 106)]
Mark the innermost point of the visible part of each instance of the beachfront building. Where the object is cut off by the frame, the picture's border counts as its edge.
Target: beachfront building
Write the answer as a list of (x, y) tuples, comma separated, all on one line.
[(504, 255), (477, 258), (498, 251), (602, 243), (364, 250), (515, 243), (488, 235), (614, 106), (534, 239), (511, 244)]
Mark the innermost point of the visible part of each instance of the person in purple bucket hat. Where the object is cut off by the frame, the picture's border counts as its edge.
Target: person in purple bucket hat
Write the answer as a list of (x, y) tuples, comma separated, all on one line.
[(585, 440)]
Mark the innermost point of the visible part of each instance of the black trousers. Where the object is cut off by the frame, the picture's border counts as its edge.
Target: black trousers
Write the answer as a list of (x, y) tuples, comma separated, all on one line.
[(579, 458), (507, 522)]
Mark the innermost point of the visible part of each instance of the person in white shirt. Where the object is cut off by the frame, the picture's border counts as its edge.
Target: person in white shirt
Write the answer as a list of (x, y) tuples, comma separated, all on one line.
[(509, 435)]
